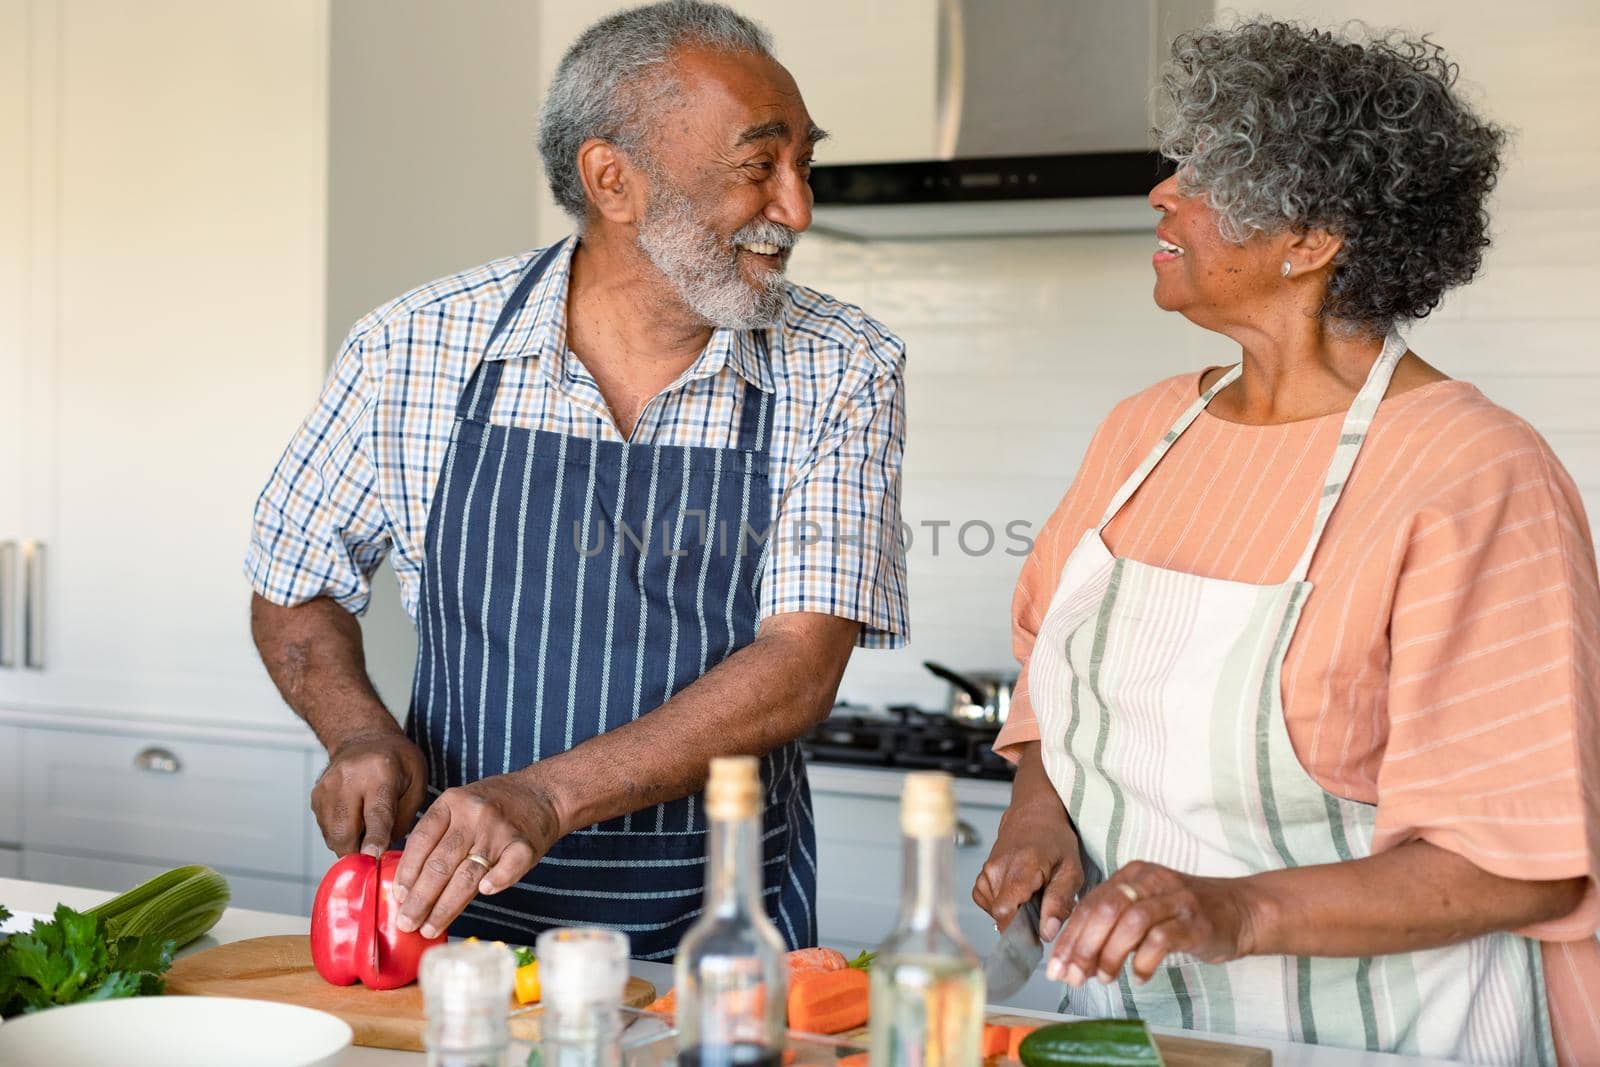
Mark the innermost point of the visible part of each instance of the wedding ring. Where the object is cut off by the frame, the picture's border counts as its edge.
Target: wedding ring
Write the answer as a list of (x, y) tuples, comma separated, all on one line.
[(1128, 891), (480, 861)]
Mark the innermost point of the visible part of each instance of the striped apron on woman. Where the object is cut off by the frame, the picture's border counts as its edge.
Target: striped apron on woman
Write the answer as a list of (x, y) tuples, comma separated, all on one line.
[(1161, 716), (532, 640)]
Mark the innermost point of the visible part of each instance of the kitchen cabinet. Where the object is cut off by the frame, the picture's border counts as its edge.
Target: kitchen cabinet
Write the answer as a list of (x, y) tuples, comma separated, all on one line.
[(15, 194), (248, 891), (162, 165), (11, 863), (106, 804), (166, 797), (10, 785), (859, 862)]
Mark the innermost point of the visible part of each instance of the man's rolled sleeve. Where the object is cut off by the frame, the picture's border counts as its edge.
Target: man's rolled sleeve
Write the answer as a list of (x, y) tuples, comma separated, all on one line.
[(319, 529), (835, 545)]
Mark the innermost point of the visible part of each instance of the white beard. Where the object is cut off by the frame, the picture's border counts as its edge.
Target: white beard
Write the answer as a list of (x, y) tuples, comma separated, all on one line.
[(705, 267)]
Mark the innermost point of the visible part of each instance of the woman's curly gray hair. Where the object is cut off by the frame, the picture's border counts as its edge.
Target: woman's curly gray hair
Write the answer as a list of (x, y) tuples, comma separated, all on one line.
[(1283, 127)]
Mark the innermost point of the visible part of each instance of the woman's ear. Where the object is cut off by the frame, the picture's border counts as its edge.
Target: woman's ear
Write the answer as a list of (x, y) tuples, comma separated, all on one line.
[(612, 183), (1308, 251)]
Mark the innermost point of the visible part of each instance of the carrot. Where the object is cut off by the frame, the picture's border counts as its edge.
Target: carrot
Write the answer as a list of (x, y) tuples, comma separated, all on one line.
[(665, 1004), (855, 1059), (828, 1002), (1014, 1047), (806, 960), (995, 1039)]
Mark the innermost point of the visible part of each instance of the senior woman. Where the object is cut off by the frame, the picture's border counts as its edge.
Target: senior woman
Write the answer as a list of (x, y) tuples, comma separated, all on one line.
[(1310, 646)]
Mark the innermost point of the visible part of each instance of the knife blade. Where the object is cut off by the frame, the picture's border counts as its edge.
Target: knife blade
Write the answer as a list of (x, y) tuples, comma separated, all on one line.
[(1016, 955)]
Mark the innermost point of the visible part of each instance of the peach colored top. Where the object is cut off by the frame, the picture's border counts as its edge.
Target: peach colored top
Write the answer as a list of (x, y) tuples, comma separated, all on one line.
[(1447, 662)]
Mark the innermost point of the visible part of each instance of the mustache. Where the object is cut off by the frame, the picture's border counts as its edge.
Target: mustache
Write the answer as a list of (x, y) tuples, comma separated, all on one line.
[(764, 231)]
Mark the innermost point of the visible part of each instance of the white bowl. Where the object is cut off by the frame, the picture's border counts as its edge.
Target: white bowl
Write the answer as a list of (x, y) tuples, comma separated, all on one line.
[(175, 1032)]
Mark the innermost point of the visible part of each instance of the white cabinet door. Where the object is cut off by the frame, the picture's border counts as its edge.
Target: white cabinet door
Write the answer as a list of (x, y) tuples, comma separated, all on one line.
[(117, 876), (10, 785), (16, 275), (165, 799), (189, 225)]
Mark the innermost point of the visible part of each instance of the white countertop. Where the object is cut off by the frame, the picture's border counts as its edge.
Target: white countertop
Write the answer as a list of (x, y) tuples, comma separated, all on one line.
[(240, 923)]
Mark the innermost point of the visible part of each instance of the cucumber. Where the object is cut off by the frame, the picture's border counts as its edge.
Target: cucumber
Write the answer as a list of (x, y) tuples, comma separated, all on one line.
[(1091, 1043)]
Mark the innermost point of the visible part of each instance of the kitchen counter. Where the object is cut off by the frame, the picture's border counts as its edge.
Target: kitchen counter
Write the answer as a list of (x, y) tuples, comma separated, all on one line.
[(239, 923)]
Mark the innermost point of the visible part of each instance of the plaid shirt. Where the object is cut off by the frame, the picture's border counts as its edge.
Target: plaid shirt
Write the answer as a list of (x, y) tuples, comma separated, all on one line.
[(357, 480)]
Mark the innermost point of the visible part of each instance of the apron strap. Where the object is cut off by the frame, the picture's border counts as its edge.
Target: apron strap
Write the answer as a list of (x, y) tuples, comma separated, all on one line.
[(755, 408), (1142, 472), (477, 398), (1357, 422)]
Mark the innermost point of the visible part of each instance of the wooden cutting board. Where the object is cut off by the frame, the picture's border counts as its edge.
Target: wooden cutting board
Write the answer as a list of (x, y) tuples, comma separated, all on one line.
[(1175, 1051), (279, 968)]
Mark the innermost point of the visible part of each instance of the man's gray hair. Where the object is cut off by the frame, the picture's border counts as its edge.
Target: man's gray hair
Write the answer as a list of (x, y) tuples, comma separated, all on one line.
[(612, 75)]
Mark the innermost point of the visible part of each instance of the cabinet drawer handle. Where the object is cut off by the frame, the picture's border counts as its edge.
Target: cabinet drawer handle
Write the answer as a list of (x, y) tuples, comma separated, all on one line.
[(158, 761), (33, 605), (967, 835)]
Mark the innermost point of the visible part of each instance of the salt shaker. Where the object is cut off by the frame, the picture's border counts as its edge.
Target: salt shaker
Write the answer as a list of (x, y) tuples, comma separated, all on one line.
[(467, 990)]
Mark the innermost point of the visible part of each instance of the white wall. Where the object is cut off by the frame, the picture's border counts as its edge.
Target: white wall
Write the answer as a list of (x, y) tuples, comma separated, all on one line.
[(430, 170), (1018, 347)]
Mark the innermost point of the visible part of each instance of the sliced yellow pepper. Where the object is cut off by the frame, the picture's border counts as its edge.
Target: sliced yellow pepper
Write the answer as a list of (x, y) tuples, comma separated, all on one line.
[(528, 983)]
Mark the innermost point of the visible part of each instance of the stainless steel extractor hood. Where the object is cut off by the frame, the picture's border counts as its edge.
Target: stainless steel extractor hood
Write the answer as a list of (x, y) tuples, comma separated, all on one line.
[(1043, 125)]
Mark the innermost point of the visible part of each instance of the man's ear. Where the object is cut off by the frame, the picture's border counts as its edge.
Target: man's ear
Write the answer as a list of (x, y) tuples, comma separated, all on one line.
[(1308, 251), (614, 186)]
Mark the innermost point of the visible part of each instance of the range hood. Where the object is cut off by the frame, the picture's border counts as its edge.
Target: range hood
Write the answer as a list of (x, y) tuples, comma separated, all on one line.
[(1042, 125)]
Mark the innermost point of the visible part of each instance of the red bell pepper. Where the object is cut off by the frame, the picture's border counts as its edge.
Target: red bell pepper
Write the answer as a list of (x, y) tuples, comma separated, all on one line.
[(353, 935)]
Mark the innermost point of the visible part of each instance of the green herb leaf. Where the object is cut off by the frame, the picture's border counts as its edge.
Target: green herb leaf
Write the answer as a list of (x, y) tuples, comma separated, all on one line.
[(863, 962), (69, 959), (523, 953)]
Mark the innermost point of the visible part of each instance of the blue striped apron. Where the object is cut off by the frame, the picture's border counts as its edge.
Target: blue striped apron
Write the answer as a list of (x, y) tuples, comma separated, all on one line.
[(571, 584)]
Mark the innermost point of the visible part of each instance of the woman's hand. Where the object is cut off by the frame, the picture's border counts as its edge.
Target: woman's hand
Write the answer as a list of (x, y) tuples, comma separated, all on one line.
[(1035, 850), (476, 838), (1146, 912)]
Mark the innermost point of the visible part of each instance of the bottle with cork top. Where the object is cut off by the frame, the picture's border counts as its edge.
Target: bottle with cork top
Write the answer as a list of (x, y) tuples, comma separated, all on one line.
[(927, 983), (730, 972)]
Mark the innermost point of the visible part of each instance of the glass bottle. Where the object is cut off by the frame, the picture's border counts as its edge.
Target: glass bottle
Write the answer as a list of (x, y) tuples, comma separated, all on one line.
[(582, 975), (927, 983), (730, 972), (467, 991)]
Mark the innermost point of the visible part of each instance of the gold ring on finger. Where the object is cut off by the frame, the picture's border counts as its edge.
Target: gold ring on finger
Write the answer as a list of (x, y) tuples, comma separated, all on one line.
[(480, 861), (1128, 891)]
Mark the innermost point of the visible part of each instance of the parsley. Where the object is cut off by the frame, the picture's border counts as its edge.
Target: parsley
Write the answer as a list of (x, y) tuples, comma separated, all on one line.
[(70, 959)]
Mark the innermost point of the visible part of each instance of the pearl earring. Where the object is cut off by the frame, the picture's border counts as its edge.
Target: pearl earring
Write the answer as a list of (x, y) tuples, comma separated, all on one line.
[(1286, 268)]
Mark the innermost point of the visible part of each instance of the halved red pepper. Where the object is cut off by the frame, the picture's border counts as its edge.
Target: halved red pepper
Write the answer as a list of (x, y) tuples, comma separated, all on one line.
[(353, 935)]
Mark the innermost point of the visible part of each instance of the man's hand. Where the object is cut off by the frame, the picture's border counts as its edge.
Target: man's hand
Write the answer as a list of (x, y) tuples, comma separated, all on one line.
[(370, 792), (508, 821), (1036, 850), (1146, 911)]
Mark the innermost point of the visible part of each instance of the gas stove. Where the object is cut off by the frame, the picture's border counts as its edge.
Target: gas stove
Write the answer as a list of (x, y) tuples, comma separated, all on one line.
[(906, 738)]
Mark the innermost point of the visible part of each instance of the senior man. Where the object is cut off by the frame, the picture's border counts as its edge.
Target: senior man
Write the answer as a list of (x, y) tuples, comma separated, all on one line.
[(642, 497)]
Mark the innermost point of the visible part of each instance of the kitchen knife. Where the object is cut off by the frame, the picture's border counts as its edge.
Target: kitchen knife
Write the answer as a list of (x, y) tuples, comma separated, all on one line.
[(1016, 955)]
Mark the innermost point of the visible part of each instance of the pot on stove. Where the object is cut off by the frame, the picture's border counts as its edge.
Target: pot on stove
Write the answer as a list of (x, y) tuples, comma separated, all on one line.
[(976, 696)]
